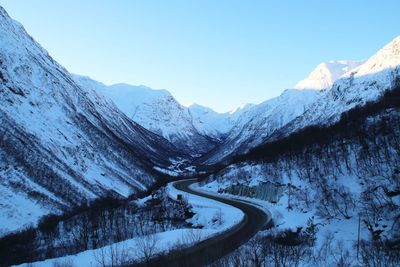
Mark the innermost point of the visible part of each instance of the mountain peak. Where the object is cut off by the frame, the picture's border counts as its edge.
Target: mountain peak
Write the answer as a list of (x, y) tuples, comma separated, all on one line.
[(193, 105), (386, 59), (326, 73), (241, 108), (394, 44), (80, 145)]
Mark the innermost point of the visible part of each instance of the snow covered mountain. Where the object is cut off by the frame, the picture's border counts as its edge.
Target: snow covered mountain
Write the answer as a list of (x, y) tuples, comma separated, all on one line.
[(196, 129), (199, 129), (343, 170), (67, 139), (158, 111), (331, 89), (367, 82), (63, 144), (335, 175), (212, 123), (259, 121), (326, 73)]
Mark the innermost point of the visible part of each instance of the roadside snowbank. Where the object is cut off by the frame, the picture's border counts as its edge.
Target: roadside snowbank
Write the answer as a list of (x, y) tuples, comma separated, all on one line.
[(131, 249)]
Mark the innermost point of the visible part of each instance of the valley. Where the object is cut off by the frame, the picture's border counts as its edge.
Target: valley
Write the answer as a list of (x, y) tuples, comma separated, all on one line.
[(122, 175)]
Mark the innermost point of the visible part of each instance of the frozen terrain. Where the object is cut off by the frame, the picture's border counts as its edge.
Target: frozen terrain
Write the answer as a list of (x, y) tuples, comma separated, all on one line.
[(212, 216), (62, 144), (159, 112), (325, 154)]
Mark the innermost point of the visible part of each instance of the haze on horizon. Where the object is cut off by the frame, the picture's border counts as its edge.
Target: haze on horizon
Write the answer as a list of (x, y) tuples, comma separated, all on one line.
[(218, 54)]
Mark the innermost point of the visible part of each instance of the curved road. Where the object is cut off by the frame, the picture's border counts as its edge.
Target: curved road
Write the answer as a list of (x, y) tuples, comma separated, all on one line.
[(209, 250)]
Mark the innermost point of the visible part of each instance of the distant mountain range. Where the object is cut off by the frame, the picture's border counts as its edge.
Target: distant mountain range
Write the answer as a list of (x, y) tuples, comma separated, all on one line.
[(196, 129), (201, 131)]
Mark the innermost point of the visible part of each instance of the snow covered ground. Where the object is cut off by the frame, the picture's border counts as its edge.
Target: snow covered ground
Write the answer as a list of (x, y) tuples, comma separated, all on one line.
[(210, 214), (129, 249), (211, 217), (344, 230), (16, 210)]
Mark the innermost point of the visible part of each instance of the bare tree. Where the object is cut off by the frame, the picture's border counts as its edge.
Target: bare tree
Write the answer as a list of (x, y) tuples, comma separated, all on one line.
[(377, 253), (115, 254), (63, 263), (192, 236), (218, 217), (147, 247)]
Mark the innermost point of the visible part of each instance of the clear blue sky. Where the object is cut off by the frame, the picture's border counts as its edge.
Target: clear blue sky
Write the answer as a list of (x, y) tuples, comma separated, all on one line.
[(218, 53)]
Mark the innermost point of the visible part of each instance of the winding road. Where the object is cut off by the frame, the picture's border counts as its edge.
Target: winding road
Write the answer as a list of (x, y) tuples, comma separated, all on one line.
[(209, 250)]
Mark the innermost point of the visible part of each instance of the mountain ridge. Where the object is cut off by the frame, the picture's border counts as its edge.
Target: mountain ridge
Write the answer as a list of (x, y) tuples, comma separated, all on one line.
[(195, 128), (61, 144), (357, 86)]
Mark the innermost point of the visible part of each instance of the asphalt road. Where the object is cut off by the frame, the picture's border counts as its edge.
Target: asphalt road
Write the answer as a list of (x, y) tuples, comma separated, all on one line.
[(211, 249)]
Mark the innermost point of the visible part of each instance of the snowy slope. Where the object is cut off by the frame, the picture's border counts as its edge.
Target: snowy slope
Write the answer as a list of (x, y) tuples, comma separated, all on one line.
[(157, 111), (206, 211), (259, 121), (366, 83), (212, 123), (326, 73), (334, 181), (331, 89), (62, 144)]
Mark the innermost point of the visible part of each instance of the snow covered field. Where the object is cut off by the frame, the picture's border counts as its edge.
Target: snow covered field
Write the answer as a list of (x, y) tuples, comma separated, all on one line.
[(211, 216)]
